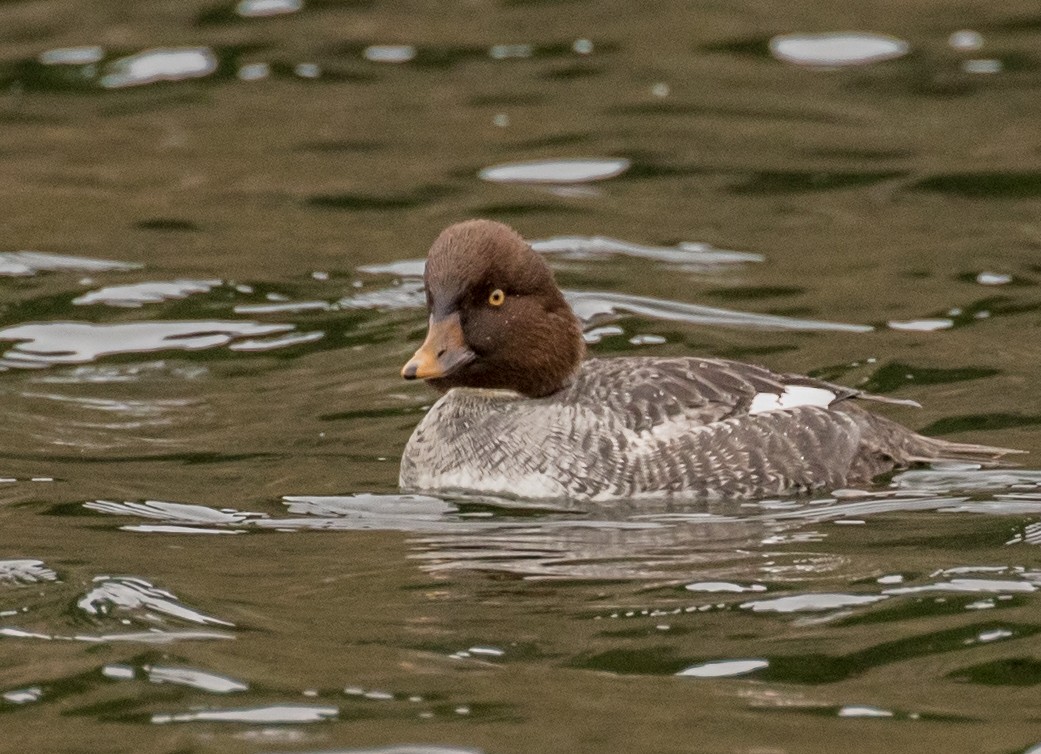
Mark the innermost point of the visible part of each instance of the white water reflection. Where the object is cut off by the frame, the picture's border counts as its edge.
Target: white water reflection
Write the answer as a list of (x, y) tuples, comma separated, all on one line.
[(153, 636), (405, 294), (160, 64), (274, 715), (837, 49), (723, 586), (863, 710), (118, 672), (579, 170), (136, 295), (25, 263), (965, 40), (389, 53), (194, 678), (253, 345), (23, 696), (156, 509), (810, 602), (138, 598), (723, 668), (983, 66), (595, 305), (253, 72), (290, 307), (84, 55), (265, 8), (45, 344), (119, 373), (507, 51), (993, 278), (687, 254), (25, 571), (985, 586), (934, 481), (922, 325), (405, 268)]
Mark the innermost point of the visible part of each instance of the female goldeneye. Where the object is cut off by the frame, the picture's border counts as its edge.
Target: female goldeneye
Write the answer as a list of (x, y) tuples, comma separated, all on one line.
[(523, 415)]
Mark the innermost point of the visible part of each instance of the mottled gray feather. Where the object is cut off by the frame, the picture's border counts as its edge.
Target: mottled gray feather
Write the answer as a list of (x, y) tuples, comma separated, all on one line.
[(634, 427)]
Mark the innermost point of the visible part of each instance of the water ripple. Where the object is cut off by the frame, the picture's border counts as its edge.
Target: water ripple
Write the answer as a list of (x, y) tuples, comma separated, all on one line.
[(696, 255), (135, 295), (46, 344), (595, 305), (273, 715), (25, 263), (136, 597), (25, 571)]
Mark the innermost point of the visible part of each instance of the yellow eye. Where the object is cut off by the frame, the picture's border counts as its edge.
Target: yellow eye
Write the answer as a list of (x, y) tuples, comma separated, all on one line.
[(497, 297)]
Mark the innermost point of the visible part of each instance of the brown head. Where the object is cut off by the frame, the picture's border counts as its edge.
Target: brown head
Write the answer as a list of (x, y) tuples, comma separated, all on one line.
[(497, 318)]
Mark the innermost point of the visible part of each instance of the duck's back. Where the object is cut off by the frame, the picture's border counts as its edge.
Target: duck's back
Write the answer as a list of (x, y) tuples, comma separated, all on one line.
[(637, 427)]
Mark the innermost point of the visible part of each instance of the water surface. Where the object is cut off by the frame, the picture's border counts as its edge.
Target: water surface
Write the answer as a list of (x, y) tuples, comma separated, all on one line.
[(215, 216)]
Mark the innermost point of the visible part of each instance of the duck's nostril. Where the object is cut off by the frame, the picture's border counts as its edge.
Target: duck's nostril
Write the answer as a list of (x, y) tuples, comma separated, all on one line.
[(442, 352)]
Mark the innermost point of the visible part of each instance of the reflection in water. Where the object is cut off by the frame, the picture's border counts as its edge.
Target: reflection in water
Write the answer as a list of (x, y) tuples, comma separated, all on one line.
[(194, 678), (984, 66), (972, 585), (137, 598), (724, 668), (605, 544), (835, 50), (389, 53), (593, 306), (22, 696), (276, 715), (922, 325), (50, 343), (25, 571), (689, 255), (504, 51), (966, 40), (138, 294), (24, 263), (124, 601), (863, 710), (72, 55), (712, 542), (253, 72), (264, 8), (555, 171), (810, 602), (161, 64)]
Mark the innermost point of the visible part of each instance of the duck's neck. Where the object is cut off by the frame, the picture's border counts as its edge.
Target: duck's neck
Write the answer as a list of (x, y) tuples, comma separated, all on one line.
[(554, 358)]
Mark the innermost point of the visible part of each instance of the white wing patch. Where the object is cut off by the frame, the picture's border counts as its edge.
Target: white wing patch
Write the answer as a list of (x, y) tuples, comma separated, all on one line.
[(793, 396)]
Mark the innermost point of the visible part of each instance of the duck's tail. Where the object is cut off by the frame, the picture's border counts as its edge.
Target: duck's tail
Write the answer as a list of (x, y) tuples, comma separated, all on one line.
[(888, 445), (933, 449)]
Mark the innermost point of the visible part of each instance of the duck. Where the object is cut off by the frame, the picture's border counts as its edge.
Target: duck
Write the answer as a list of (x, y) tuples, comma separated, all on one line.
[(523, 414)]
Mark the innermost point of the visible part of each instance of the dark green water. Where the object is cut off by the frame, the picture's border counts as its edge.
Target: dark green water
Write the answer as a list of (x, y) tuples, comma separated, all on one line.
[(201, 544)]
